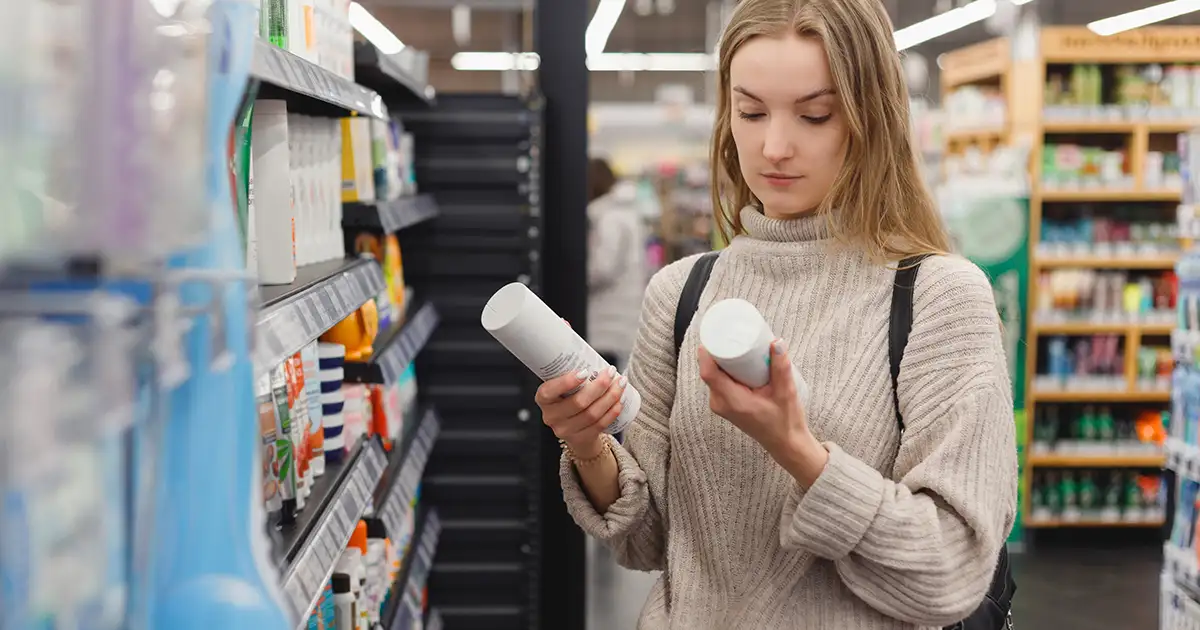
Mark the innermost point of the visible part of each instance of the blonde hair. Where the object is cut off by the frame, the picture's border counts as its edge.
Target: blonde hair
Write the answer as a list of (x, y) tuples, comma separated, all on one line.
[(881, 199)]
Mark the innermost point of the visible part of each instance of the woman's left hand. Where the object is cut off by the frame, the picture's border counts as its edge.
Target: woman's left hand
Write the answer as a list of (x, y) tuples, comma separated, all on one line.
[(772, 414)]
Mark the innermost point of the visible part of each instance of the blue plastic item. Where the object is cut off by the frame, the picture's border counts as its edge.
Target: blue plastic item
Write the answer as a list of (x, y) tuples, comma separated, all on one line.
[(209, 560)]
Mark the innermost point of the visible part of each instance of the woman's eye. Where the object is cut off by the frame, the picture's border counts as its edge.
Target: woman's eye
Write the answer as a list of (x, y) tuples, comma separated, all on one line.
[(817, 120), (749, 116)]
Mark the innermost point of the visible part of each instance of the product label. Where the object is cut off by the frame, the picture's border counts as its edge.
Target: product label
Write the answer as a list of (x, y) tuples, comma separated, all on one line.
[(270, 464), (285, 462), (301, 431)]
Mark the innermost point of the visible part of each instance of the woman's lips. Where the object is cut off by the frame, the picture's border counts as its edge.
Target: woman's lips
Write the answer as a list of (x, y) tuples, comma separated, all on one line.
[(781, 181)]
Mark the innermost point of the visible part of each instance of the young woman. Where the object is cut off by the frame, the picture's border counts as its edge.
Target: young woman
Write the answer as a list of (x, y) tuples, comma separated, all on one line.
[(764, 511)]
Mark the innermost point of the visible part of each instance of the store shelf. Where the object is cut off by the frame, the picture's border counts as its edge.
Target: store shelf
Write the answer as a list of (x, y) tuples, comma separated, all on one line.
[(400, 78), (323, 294), (1117, 126), (390, 216), (410, 609), (312, 545), (1165, 261), (1100, 396), (1183, 458), (309, 88), (1101, 195), (398, 499), (1059, 523), (1093, 328), (434, 622), (1097, 461), (395, 348), (981, 135)]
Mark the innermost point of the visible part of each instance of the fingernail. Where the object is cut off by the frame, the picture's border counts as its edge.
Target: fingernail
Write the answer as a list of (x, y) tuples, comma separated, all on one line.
[(780, 346), (583, 374), (612, 371), (622, 381)]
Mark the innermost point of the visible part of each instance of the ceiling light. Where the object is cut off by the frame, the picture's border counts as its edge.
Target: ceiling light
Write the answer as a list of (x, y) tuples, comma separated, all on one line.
[(602, 25), (651, 62), (1142, 17), (494, 61), (1020, 2), (374, 30), (947, 22)]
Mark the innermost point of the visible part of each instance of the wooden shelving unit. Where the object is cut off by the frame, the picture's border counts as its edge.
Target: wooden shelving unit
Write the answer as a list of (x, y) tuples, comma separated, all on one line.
[(993, 63)]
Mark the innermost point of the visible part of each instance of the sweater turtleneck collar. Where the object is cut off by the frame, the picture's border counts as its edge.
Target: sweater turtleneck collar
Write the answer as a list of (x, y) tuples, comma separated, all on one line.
[(757, 225)]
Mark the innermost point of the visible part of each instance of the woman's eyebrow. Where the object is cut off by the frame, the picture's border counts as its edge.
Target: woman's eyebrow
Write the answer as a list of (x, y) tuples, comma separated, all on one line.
[(803, 99)]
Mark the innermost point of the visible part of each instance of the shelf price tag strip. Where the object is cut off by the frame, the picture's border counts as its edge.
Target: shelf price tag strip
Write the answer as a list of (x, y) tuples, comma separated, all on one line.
[(400, 498), (295, 74), (401, 213), (285, 328), (305, 578), (416, 333)]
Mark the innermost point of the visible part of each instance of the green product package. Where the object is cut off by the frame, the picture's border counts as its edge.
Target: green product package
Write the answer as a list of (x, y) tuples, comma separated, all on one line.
[(284, 454), (1089, 494), (274, 26), (1054, 496), (1070, 492), (240, 167), (1106, 427)]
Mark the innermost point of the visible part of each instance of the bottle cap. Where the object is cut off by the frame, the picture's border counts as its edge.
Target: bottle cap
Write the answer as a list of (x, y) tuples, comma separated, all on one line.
[(341, 583), (358, 539), (375, 527)]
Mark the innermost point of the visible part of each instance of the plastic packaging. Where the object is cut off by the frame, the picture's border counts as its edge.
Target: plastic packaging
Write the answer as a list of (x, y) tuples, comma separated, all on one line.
[(540, 339), (739, 340)]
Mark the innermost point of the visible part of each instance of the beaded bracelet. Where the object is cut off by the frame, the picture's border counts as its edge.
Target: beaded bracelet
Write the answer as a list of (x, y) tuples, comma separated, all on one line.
[(583, 463)]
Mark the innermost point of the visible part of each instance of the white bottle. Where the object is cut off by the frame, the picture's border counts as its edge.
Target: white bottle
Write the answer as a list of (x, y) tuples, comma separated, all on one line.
[(533, 333), (274, 213), (738, 338)]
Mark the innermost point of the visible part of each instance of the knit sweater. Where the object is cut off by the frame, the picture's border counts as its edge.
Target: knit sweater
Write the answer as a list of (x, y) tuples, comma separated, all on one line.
[(898, 531)]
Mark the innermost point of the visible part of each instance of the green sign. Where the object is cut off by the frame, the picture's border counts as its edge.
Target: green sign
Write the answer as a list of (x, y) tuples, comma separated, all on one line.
[(993, 232)]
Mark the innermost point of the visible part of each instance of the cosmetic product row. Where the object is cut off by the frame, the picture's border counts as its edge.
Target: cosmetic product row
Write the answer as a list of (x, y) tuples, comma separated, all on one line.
[(1122, 92), (360, 587), (1111, 235), (1106, 496), (1091, 363), (975, 107), (1105, 297), (316, 30), (1100, 431)]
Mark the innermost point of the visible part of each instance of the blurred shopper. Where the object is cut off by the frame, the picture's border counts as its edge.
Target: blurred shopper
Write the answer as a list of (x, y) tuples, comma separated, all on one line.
[(872, 503), (616, 263)]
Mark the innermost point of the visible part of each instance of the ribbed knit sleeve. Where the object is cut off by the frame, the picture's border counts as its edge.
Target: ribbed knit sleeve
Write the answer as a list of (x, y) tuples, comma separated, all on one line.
[(635, 526), (923, 549)]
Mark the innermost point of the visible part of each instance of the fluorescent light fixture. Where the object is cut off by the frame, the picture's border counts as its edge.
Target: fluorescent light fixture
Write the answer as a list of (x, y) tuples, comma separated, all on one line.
[(651, 62), (1142, 17), (947, 22), (1020, 2), (604, 62), (374, 30), (494, 61), (602, 25)]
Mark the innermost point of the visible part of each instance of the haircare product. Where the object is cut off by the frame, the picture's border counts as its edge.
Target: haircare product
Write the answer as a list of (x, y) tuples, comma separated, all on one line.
[(300, 429), (738, 338), (284, 453), (312, 393), (376, 565), (266, 424), (540, 339), (274, 213), (358, 178), (344, 604)]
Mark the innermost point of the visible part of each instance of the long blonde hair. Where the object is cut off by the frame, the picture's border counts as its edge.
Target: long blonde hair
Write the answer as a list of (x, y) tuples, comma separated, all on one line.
[(881, 199)]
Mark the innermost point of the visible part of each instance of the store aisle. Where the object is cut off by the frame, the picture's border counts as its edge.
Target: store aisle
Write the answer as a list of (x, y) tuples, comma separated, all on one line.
[(1059, 589)]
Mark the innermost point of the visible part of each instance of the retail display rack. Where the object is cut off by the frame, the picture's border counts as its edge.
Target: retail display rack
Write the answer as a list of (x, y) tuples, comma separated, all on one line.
[(479, 156), (1099, 117)]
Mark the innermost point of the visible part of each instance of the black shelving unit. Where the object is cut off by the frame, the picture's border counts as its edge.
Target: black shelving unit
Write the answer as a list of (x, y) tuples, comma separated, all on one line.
[(480, 156)]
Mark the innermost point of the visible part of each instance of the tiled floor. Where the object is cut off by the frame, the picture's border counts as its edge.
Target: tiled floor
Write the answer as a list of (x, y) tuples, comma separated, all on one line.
[(1057, 589)]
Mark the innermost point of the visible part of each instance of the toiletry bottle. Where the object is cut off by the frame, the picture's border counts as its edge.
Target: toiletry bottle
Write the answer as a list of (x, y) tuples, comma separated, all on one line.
[(738, 338), (358, 542), (344, 603), (312, 390), (377, 569), (541, 340), (298, 411), (284, 453)]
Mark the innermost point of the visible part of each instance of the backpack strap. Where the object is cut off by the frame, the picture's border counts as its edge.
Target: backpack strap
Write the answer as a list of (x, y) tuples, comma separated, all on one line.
[(689, 298), (901, 322)]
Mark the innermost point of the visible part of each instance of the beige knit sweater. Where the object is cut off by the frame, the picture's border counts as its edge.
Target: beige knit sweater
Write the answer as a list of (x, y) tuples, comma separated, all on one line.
[(880, 540)]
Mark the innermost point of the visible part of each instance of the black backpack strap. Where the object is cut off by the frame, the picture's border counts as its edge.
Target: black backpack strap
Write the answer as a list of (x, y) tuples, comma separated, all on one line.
[(901, 322), (689, 298)]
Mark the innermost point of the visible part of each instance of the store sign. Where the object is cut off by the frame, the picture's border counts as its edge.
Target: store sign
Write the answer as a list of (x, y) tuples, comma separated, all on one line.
[(1143, 45)]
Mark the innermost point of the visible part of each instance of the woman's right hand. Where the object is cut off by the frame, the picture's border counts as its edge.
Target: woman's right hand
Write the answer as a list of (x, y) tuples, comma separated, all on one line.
[(580, 418)]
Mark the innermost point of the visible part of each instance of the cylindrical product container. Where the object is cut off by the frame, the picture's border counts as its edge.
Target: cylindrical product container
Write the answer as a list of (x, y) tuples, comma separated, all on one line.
[(540, 339), (377, 569), (283, 447), (738, 338), (344, 604), (312, 393), (274, 213)]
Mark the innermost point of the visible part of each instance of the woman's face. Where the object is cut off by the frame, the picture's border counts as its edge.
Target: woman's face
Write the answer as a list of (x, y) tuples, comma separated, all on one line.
[(787, 123)]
